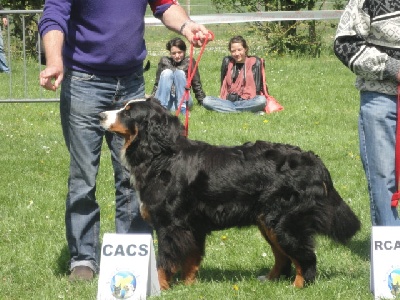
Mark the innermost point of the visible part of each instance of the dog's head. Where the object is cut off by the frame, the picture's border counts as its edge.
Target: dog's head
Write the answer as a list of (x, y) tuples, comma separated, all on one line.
[(146, 122)]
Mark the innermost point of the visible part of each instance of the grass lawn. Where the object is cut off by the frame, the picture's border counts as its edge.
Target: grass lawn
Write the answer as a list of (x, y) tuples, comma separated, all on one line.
[(321, 110)]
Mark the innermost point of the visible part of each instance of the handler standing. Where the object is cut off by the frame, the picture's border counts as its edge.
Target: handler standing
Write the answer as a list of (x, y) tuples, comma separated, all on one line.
[(368, 43), (96, 49)]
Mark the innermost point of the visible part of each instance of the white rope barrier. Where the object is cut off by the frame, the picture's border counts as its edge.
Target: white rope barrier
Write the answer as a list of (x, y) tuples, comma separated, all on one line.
[(270, 16)]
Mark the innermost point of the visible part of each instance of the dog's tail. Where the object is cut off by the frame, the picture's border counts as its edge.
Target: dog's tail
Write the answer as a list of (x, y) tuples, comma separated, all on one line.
[(344, 224)]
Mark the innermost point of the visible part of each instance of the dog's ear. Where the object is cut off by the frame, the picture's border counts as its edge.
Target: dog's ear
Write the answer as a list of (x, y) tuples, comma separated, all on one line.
[(163, 129)]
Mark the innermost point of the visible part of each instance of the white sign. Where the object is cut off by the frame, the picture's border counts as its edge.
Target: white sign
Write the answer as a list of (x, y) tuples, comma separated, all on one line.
[(385, 262), (127, 267)]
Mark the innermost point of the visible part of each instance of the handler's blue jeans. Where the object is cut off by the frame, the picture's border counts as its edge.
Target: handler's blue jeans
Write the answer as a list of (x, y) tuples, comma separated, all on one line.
[(168, 78), (3, 61), (83, 97), (255, 104), (377, 129)]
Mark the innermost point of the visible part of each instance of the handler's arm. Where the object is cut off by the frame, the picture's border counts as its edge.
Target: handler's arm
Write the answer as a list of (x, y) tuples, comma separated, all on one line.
[(354, 49), (53, 42)]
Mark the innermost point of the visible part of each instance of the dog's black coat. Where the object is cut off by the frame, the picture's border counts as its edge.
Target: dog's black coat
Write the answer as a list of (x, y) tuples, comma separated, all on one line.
[(189, 188)]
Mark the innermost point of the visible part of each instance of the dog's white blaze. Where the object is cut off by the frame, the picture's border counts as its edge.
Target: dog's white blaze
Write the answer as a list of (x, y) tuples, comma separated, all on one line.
[(111, 117)]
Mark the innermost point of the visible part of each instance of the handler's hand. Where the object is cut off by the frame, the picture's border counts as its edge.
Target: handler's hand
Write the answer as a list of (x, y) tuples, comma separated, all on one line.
[(51, 77), (196, 34)]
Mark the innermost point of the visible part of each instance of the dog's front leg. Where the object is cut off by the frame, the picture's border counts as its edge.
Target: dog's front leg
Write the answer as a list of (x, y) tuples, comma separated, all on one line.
[(164, 278), (190, 267)]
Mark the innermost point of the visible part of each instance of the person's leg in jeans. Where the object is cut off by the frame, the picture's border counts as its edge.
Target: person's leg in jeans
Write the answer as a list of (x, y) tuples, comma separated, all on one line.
[(220, 105), (82, 98), (163, 93), (377, 128), (3, 61), (180, 84), (255, 104)]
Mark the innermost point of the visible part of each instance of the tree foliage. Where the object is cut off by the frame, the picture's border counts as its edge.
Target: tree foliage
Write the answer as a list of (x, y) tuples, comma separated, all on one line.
[(23, 4), (282, 36), (24, 25)]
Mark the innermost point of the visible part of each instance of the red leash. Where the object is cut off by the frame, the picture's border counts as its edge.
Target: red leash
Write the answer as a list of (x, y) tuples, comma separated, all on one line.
[(396, 195), (191, 73)]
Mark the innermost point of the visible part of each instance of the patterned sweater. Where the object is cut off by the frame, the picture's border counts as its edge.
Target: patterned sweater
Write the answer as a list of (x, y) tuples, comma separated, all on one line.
[(368, 42)]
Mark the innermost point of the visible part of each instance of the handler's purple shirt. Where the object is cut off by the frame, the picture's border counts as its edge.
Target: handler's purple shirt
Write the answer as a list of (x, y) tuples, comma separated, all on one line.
[(102, 37)]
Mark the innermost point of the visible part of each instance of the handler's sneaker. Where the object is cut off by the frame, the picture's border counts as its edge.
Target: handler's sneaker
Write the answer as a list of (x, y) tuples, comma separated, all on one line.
[(81, 273)]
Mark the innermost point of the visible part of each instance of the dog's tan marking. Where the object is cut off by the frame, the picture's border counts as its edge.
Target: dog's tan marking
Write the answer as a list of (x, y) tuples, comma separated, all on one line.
[(163, 279), (190, 268), (299, 280), (129, 138), (117, 127), (145, 213)]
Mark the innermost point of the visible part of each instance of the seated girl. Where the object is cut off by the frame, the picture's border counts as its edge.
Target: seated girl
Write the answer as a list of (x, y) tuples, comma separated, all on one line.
[(171, 78), (241, 81)]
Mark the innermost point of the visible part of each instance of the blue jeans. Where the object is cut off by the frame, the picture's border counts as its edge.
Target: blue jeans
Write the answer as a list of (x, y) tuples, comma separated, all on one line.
[(83, 97), (170, 101), (3, 61), (377, 130), (255, 104)]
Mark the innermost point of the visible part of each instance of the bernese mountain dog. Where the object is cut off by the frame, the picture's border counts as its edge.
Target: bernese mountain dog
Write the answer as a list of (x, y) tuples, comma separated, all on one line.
[(190, 188)]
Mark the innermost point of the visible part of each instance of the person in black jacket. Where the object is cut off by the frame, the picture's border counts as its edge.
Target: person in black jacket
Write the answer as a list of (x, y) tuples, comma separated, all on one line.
[(171, 77), (3, 61)]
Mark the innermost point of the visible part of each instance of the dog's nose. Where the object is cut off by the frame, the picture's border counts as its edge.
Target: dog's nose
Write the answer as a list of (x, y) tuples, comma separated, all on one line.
[(102, 115)]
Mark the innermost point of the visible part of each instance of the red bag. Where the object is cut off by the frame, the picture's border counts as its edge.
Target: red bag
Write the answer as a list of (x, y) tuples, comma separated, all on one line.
[(272, 104)]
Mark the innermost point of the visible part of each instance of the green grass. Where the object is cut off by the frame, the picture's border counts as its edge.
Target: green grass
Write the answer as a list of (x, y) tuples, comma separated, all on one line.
[(321, 110)]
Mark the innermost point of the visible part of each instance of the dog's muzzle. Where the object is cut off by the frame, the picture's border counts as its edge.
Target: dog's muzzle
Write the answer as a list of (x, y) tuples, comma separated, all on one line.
[(107, 118)]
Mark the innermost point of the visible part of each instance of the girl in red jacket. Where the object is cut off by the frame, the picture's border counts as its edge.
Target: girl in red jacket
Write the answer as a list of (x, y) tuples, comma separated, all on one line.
[(241, 81)]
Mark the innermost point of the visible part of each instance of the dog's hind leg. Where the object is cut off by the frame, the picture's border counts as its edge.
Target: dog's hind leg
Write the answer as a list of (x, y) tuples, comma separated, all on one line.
[(282, 264), (281, 260), (300, 253)]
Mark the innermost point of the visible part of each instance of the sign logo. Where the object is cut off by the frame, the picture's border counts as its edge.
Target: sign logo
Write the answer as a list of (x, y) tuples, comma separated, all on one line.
[(123, 285), (394, 282)]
